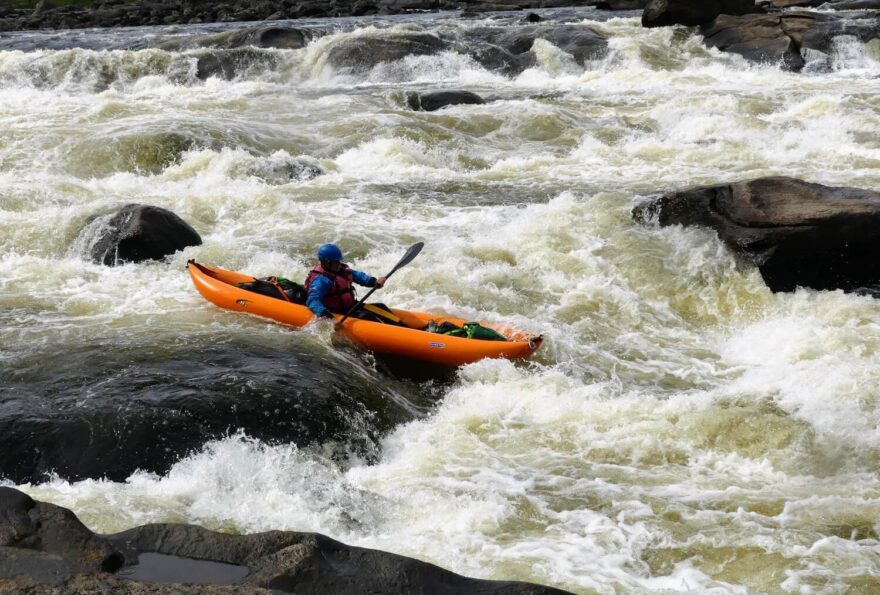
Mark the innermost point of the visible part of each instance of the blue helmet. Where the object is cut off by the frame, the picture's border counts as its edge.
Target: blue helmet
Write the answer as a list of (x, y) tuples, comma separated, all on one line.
[(330, 252)]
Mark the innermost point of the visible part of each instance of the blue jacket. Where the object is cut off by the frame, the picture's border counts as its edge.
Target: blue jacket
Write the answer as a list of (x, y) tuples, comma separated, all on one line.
[(321, 287)]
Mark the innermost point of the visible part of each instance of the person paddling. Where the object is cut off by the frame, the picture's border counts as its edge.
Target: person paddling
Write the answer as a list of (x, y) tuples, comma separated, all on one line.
[(330, 285)]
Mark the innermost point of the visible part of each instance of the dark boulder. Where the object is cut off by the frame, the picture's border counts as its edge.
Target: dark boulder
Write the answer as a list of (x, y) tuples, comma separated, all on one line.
[(663, 13), (136, 233), (362, 53), (797, 233), (430, 102), (107, 410), (76, 560), (785, 38)]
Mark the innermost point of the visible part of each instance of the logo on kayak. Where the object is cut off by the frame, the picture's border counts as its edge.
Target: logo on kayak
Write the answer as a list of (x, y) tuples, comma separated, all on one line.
[(242, 303), (437, 345)]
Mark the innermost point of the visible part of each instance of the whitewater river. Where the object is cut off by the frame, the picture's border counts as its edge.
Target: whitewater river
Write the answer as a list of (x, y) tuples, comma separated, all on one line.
[(682, 429)]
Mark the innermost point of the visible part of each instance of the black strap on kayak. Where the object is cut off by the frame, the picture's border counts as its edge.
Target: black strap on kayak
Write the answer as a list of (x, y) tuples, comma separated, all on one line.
[(280, 289)]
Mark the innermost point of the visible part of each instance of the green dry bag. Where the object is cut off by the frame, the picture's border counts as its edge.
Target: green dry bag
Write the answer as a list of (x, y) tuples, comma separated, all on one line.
[(475, 330)]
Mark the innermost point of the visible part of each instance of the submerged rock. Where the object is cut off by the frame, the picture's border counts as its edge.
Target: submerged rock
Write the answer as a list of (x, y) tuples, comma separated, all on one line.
[(137, 233), (509, 50), (501, 49), (283, 169), (284, 38), (786, 37), (45, 546), (430, 102), (228, 64), (662, 13), (362, 53), (498, 59), (581, 42), (797, 233), (107, 410)]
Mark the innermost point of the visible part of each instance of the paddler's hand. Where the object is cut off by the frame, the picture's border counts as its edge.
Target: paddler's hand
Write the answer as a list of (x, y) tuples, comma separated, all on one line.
[(380, 282)]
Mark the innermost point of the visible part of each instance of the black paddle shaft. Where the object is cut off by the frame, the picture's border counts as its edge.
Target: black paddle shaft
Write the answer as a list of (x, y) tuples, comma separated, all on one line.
[(411, 253)]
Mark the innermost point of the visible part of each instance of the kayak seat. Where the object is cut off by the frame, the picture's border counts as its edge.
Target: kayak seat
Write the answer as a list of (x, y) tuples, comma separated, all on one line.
[(378, 313)]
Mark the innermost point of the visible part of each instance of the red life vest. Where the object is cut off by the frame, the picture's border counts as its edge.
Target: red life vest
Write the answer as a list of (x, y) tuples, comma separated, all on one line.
[(341, 296)]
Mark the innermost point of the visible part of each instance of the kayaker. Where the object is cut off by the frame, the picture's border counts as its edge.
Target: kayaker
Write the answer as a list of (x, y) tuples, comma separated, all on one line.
[(330, 284)]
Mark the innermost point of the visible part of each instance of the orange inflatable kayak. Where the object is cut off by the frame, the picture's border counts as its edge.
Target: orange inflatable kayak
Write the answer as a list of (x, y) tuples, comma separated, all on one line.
[(220, 287)]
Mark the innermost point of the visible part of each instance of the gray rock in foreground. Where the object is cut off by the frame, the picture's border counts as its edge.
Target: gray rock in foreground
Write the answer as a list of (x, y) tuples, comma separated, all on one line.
[(45, 547), (797, 233)]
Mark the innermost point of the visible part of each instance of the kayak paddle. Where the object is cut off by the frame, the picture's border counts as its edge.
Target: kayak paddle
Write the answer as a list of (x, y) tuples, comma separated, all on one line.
[(407, 258)]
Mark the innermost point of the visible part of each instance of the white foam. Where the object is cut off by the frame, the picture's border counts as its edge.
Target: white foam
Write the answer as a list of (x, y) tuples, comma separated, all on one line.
[(680, 422)]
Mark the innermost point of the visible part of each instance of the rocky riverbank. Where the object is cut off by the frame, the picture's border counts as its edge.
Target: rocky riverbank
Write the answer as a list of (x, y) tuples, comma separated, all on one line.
[(45, 547), (761, 32), (125, 13)]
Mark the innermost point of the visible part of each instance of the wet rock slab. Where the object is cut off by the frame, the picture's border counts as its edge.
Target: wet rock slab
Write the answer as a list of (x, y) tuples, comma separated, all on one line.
[(108, 410), (796, 232), (360, 54), (787, 38), (45, 547)]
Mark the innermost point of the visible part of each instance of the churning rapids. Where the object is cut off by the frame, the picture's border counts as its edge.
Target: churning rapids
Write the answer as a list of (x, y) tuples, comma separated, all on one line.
[(682, 429)]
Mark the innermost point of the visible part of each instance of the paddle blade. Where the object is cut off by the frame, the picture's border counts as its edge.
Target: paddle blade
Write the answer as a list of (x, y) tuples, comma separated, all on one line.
[(408, 257)]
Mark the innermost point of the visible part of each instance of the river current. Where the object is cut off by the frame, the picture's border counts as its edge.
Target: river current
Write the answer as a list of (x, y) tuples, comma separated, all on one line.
[(683, 429)]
